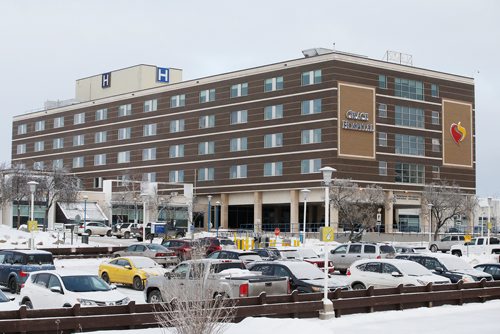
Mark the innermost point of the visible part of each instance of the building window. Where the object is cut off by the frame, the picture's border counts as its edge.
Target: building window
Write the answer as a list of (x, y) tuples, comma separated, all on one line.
[(434, 90), (123, 179), (239, 117), (97, 182), (79, 140), (408, 116), (206, 174), (124, 133), (436, 145), (311, 107), (22, 129), (382, 168), (39, 146), (176, 176), (125, 110), (382, 81), (150, 105), (382, 139), (311, 77), (58, 143), (311, 136), (123, 157), (149, 130), (207, 95), (238, 172), (100, 159), (273, 140), (59, 122), (206, 147), (435, 117), (410, 89), (273, 168), (309, 166), (273, 84), (149, 177), (57, 164), (207, 121), (436, 172), (178, 101), (409, 173), (177, 126), (100, 137), (273, 112), (38, 165), (79, 118), (239, 90), (101, 114), (21, 148), (78, 162), (149, 154), (382, 110), (176, 151), (39, 125), (238, 144), (410, 145)]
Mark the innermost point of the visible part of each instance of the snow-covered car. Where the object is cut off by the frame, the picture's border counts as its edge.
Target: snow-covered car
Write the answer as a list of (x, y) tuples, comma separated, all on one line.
[(389, 273), (156, 252), (6, 303), (308, 255), (65, 288)]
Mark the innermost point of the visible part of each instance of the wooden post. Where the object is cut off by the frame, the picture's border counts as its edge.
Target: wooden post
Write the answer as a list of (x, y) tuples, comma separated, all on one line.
[(428, 288)]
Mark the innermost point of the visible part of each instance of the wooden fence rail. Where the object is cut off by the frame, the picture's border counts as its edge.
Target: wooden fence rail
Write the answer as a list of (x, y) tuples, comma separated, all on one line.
[(82, 319)]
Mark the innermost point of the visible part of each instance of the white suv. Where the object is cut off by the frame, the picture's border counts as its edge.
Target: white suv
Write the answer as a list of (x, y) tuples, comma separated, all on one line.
[(344, 255), (95, 228)]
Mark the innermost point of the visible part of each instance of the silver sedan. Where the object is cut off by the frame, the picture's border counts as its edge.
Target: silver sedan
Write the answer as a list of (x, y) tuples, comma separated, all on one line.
[(156, 252)]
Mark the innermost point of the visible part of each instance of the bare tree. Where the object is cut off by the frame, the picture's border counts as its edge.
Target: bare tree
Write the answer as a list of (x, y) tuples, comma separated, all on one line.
[(357, 206), (448, 201), (15, 188), (56, 185)]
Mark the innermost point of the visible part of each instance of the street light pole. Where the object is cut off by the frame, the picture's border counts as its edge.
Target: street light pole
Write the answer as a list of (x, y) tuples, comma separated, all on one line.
[(85, 198), (144, 198), (305, 192), (217, 208), (430, 223), (32, 185), (209, 212), (489, 217), (327, 303)]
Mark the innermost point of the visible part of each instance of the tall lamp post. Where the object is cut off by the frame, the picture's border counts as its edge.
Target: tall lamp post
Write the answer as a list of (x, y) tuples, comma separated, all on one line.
[(32, 185), (305, 192), (489, 217), (85, 198), (209, 212), (430, 223), (217, 208), (327, 303), (144, 199), (135, 210)]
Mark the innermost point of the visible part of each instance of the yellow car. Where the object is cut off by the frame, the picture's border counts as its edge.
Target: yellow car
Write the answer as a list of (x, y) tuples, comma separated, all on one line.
[(131, 270)]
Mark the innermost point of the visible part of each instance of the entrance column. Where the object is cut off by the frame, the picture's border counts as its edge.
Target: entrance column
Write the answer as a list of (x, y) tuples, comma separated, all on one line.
[(389, 211), (257, 211), (224, 205), (334, 218), (294, 211)]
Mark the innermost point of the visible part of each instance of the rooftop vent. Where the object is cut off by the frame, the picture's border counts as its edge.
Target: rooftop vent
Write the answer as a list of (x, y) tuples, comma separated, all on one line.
[(315, 52)]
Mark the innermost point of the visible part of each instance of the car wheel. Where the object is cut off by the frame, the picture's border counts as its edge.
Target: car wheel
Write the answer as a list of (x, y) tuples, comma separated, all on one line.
[(108, 234), (434, 248), (358, 286), (456, 253), (13, 286), (89, 232), (139, 239), (137, 284), (119, 236), (343, 271), (105, 277), (28, 304), (118, 255), (126, 235), (154, 297)]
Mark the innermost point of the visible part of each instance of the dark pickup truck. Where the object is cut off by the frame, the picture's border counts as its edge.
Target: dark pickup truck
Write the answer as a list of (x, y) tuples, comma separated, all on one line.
[(160, 229), (16, 265)]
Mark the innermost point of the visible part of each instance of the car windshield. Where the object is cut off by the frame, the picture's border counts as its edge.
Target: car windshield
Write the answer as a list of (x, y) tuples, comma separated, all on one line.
[(144, 262), (85, 283), (226, 242), (413, 268), (124, 225), (307, 254), (39, 259), (306, 271), (3, 297), (455, 263), (157, 247), (290, 254), (386, 249), (218, 267)]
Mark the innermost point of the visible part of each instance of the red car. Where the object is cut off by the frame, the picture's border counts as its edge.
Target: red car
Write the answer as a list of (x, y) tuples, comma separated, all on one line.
[(308, 255), (183, 248)]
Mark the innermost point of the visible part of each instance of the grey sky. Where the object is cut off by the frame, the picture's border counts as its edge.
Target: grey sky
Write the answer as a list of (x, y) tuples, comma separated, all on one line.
[(46, 45)]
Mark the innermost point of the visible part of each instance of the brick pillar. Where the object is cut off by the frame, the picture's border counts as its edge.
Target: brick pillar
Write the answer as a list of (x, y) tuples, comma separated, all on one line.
[(294, 211), (389, 211), (224, 199)]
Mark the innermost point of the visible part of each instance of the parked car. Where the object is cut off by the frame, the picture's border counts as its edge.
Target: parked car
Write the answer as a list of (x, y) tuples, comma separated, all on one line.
[(236, 254), (184, 249), (16, 266), (158, 253), (303, 276), (308, 255), (447, 265), (213, 244), (94, 228), (402, 249), (389, 273), (51, 289), (490, 268), (344, 255), (124, 230), (477, 246), (445, 243), (268, 254), (6, 303), (131, 270), (209, 278), (166, 230)]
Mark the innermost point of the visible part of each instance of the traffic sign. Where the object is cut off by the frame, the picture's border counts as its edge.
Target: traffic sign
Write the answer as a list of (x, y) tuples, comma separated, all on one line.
[(327, 234), (32, 225), (467, 238), (276, 231)]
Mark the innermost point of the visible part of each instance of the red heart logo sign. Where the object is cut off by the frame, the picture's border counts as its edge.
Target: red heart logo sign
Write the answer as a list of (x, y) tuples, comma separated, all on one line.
[(458, 132)]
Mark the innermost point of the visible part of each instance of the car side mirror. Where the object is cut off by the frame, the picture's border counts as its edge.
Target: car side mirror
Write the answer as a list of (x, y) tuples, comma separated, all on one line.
[(56, 289), (396, 274), (168, 275), (439, 269), (112, 286), (128, 267)]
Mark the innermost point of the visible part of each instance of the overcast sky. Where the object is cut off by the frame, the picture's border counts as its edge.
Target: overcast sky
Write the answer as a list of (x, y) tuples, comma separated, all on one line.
[(46, 45)]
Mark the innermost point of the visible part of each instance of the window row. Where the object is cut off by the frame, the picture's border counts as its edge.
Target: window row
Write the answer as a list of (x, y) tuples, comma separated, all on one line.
[(408, 116), (408, 144), (408, 172), (411, 89)]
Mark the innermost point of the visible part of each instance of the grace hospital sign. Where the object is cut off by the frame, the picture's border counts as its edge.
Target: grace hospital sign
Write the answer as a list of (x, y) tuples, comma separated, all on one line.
[(354, 121)]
